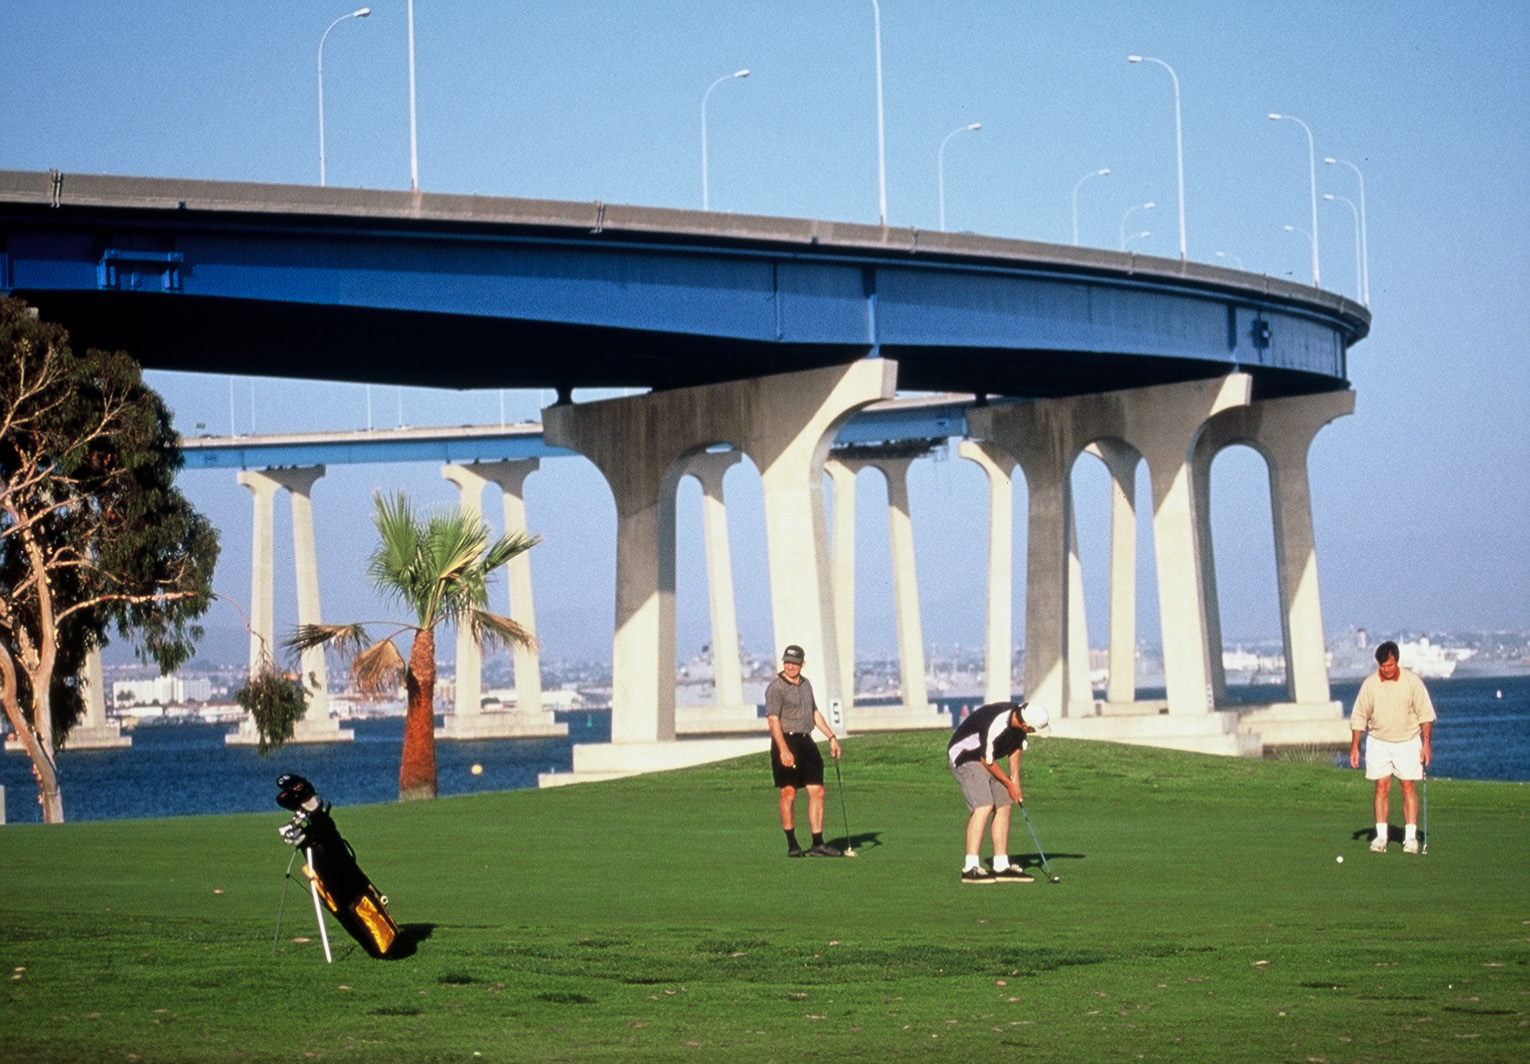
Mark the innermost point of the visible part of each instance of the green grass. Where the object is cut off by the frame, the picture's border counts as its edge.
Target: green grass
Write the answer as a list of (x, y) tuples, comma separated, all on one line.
[(1201, 917)]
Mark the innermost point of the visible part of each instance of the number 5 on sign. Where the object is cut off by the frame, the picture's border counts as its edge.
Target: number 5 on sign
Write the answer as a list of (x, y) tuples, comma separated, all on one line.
[(837, 715)]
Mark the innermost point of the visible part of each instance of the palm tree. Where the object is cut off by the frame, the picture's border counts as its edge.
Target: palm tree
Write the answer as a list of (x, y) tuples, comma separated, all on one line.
[(438, 568)]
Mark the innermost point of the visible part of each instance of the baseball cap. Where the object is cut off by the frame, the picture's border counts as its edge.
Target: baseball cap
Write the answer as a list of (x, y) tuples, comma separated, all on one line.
[(793, 654), (1035, 714)]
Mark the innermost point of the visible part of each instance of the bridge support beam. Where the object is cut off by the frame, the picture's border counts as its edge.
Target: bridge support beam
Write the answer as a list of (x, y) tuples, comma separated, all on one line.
[(529, 718), (1121, 461), (785, 424), (915, 710), (1281, 431), (263, 484), (728, 712), (1046, 437), (999, 465)]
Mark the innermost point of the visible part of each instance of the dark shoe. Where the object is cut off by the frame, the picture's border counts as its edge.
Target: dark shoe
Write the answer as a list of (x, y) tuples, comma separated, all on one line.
[(796, 851), (978, 875), (1014, 874), (823, 849)]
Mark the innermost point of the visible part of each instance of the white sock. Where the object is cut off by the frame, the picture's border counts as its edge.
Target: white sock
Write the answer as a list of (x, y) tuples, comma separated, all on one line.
[(972, 862), (1000, 862), (1381, 831), (1410, 832)]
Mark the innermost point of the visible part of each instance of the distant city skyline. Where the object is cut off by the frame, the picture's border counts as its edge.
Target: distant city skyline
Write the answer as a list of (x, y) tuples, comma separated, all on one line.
[(1421, 498)]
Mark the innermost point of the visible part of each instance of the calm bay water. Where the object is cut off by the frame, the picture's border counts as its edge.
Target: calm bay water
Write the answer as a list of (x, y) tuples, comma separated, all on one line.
[(184, 770)]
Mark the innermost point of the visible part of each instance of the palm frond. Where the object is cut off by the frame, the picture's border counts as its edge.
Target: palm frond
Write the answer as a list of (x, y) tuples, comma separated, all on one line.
[(494, 630), (345, 638), (379, 668)]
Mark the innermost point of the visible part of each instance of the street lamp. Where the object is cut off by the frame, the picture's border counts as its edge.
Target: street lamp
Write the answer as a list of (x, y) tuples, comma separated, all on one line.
[(1365, 248), (1232, 258), (1076, 185), (1136, 236), (1129, 212), (705, 202), (1179, 143), (1312, 175), (414, 141), (1359, 269), (876, 15), (940, 167), (360, 12)]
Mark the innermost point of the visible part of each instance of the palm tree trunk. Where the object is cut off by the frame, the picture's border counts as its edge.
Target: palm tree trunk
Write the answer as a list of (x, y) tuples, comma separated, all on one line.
[(417, 770)]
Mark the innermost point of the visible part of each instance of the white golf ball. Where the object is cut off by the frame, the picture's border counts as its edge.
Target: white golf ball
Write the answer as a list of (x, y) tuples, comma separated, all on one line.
[(477, 770), (1340, 858)]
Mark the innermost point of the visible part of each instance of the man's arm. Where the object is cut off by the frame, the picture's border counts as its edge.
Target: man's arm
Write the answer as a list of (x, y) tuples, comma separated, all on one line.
[(778, 737), (1011, 785), (823, 726), (1354, 749), (1426, 729)]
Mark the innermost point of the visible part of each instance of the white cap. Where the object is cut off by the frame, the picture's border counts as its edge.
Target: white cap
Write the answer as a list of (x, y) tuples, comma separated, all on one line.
[(1035, 714)]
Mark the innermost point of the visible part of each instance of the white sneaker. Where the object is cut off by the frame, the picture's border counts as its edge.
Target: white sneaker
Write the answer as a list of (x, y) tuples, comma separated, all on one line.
[(1379, 844), (1410, 846)]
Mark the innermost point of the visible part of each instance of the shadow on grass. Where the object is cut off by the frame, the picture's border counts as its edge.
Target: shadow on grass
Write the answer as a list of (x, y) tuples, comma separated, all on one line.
[(409, 938), (864, 841), (1394, 833)]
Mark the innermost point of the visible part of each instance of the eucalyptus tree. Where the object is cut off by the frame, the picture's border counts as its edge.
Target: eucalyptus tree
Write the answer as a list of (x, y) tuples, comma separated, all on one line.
[(94, 534)]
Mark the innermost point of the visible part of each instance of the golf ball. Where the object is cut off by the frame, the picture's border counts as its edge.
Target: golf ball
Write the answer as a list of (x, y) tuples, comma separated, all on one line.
[(477, 770), (1340, 858)]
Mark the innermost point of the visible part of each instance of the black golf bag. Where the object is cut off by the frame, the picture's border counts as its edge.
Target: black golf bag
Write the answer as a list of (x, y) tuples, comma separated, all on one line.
[(342, 885)]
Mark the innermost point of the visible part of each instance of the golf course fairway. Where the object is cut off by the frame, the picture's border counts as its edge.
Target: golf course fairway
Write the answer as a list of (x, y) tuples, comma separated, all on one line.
[(1201, 916)]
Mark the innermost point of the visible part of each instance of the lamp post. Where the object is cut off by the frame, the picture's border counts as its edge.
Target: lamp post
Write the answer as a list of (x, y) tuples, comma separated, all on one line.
[(1317, 281), (1359, 269), (1136, 236), (876, 16), (705, 200), (414, 141), (1179, 143), (1076, 185), (1365, 248), (1232, 258), (940, 167), (1129, 212), (360, 12)]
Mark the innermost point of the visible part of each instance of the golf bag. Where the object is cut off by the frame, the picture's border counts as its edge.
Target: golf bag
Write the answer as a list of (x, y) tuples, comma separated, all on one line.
[(342, 885)]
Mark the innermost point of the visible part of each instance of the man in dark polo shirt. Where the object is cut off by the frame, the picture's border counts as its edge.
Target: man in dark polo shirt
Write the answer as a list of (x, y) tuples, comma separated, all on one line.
[(791, 712), (994, 731)]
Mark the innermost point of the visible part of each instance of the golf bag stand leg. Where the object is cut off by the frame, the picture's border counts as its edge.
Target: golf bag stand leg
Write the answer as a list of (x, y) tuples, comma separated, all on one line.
[(318, 908)]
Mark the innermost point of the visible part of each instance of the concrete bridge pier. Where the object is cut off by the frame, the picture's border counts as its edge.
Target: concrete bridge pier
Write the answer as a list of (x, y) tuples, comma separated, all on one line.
[(1281, 431), (915, 710), (94, 731), (529, 718), (263, 484), (785, 424), (728, 712), (1121, 460), (999, 465), (1161, 423)]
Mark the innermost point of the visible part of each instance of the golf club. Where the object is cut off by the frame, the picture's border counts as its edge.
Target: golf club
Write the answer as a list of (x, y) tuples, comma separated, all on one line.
[(1045, 864), (840, 785), (1424, 842)]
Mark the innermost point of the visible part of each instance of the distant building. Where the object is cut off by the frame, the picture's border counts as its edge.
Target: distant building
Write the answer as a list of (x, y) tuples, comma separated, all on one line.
[(161, 690)]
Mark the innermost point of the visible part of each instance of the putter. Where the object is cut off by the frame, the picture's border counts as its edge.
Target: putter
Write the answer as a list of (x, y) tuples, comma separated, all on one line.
[(1423, 846), (1045, 864), (840, 786)]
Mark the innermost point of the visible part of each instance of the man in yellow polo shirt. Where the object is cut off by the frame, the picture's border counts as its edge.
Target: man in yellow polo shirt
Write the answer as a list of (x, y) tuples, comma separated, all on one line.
[(1394, 712)]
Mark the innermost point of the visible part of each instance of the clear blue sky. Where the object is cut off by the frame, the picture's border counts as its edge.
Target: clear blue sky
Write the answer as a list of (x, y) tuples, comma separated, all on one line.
[(1422, 498)]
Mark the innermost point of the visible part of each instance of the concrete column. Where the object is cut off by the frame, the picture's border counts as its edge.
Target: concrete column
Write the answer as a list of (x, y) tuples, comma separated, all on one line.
[(94, 731), (529, 718), (1282, 431), (999, 465), (262, 568), (1080, 690), (709, 468), (842, 477), (785, 424), (467, 700), (316, 725), (1162, 423), (1121, 460)]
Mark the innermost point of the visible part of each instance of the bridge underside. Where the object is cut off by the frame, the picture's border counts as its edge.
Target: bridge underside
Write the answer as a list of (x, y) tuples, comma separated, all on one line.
[(393, 347)]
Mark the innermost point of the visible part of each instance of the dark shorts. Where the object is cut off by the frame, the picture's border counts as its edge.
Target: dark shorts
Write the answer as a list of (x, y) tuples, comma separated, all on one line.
[(807, 772)]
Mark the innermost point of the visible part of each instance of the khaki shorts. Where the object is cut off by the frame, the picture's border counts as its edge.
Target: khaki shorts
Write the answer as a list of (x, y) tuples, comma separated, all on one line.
[(979, 787), (1405, 760)]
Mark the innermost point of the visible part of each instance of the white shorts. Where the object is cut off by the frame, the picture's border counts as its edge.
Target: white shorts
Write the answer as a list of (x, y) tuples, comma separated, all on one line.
[(1405, 760)]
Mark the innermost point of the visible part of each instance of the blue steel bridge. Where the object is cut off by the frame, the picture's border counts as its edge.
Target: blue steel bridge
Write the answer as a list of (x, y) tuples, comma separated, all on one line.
[(774, 338)]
